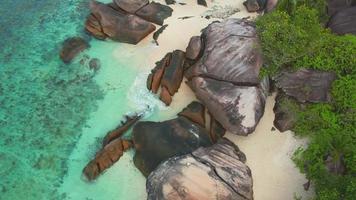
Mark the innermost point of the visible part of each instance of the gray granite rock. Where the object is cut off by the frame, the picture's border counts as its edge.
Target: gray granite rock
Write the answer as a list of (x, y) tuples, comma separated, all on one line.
[(344, 21), (216, 172)]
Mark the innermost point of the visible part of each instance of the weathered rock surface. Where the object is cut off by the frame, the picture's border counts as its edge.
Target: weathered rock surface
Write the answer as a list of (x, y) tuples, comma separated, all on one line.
[(306, 85), (226, 77), (72, 47), (106, 158), (285, 113), (131, 6), (173, 74), (157, 73), (121, 129), (271, 5), (194, 48), (195, 112), (157, 141), (335, 6), (106, 22), (231, 53), (237, 108), (344, 21), (216, 172), (155, 12), (165, 97), (217, 131)]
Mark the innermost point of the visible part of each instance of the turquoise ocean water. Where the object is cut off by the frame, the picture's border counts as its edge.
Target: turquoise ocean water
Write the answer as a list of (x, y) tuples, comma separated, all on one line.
[(53, 115)]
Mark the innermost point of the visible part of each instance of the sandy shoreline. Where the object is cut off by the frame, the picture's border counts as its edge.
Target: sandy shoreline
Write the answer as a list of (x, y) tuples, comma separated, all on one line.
[(268, 152)]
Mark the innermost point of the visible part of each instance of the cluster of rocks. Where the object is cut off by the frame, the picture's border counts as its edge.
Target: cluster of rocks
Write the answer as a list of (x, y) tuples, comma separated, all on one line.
[(126, 21), (216, 172), (222, 68), (343, 16)]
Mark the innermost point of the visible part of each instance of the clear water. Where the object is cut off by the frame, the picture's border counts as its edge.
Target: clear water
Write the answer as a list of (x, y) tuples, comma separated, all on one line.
[(53, 115)]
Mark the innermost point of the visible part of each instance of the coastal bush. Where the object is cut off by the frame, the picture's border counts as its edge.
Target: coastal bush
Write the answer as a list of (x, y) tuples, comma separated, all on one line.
[(293, 37)]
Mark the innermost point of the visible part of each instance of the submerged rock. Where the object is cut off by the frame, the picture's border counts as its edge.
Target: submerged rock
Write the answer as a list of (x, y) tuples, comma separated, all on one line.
[(226, 77), (216, 172), (106, 22), (155, 13), (306, 85), (157, 141), (106, 158), (94, 64), (131, 6), (72, 47), (344, 21)]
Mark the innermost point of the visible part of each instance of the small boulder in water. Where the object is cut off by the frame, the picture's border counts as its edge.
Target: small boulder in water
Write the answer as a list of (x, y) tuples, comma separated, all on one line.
[(72, 47), (94, 64)]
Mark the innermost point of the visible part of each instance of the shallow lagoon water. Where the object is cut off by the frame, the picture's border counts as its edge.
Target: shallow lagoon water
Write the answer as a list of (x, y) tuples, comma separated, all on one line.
[(53, 115)]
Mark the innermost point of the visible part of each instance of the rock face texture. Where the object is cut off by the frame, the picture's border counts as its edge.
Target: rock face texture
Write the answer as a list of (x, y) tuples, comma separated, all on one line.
[(155, 12), (344, 21), (125, 20), (106, 157), (335, 6), (194, 48), (72, 47), (285, 113), (131, 6), (225, 78), (195, 112), (216, 172), (158, 141), (306, 85), (168, 74)]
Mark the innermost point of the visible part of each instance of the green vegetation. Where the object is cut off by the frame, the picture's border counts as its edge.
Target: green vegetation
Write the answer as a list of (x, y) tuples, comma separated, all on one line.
[(293, 37)]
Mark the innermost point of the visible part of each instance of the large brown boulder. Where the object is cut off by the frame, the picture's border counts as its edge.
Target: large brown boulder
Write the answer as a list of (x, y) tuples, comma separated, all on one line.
[(174, 72), (212, 173), (157, 73), (155, 13), (105, 158), (131, 6), (156, 142), (306, 85), (237, 108), (106, 22), (226, 77), (72, 47), (344, 21)]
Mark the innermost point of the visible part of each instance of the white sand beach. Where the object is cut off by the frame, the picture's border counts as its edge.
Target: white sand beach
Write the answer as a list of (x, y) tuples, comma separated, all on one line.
[(268, 153)]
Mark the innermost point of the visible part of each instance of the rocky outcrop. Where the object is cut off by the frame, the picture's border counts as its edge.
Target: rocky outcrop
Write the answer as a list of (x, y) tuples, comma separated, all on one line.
[(121, 129), (335, 6), (168, 74), (158, 141), (105, 158), (195, 112), (216, 172), (131, 6), (155, 13), (226, 77), (106, 22), (306, 85), (72, 47), (344, 21)]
